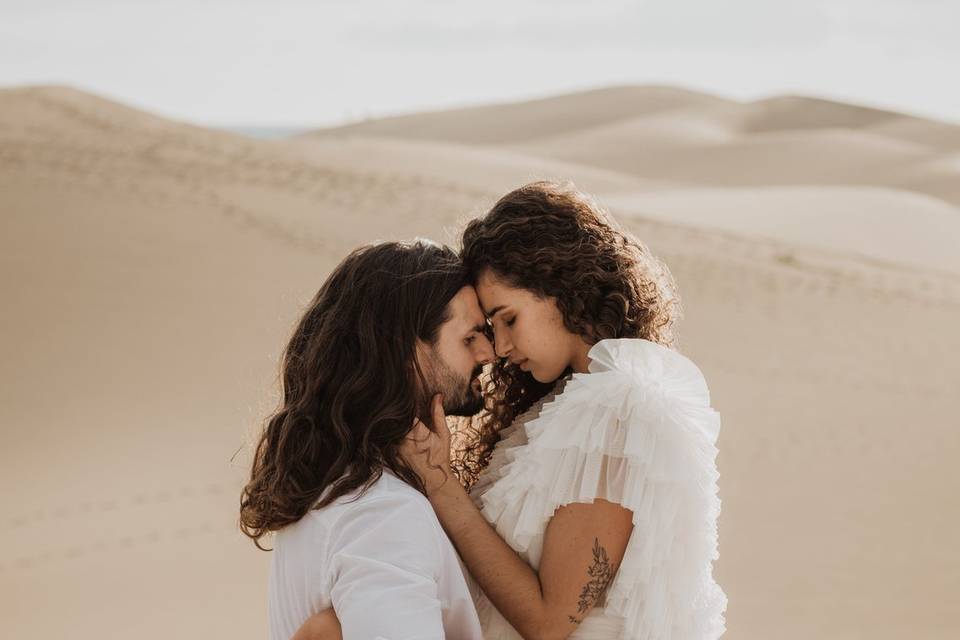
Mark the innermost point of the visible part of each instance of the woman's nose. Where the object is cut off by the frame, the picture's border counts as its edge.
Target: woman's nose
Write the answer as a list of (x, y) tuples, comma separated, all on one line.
[(484, 353), (502, 345)]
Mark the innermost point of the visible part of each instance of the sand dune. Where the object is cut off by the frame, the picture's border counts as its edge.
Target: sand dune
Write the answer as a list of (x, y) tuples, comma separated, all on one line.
[(152, 271), (938, 176), (782, 113), (659, 135), (477, 167), (643, 135), (822, 217), (694, 147), (504, 123), (937, 135), (783, 157)]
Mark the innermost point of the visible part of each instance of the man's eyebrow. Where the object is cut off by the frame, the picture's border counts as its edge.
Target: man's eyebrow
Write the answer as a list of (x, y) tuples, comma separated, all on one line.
[(479, 328), (495, 311)]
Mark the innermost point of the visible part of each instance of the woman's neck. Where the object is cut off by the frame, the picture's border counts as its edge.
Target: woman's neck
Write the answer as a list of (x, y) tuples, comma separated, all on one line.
[(579, 361)]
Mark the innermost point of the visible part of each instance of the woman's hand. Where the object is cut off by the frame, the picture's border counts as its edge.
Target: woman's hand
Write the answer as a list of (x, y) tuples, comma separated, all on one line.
[(320, 626), (427, 452)]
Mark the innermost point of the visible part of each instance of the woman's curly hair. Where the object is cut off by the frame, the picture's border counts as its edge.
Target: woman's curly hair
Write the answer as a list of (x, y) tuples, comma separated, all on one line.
[(556, 242)]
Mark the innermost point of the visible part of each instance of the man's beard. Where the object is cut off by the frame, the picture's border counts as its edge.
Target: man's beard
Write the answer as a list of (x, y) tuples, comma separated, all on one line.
[(460, 398)]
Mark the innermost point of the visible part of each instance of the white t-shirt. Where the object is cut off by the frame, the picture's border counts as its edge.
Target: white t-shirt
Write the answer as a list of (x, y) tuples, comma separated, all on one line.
[(382, 561)]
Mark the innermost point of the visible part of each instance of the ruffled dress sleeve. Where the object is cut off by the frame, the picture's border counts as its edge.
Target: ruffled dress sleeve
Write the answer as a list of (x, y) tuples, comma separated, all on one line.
[(638, 430)]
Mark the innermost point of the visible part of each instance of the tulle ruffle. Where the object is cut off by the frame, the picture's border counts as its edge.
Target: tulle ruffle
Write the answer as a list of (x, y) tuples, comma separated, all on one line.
[(638, 431)]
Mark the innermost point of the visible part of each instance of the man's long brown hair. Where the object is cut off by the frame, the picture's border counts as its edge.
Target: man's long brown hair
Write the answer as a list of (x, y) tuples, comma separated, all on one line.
[(350, 382)]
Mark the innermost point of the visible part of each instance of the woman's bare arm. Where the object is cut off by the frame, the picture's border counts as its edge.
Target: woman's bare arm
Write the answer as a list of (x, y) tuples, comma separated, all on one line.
[(583, 547), (582, 550)]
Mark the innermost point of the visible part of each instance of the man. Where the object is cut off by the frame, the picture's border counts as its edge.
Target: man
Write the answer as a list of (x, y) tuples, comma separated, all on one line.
[(393, 325)]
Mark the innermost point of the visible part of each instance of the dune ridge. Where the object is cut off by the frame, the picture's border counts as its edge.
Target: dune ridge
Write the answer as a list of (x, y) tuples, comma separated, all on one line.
[(700, 139)]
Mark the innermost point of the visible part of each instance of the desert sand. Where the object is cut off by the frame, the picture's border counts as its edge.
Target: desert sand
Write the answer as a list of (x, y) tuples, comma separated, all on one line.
[(152, 272)]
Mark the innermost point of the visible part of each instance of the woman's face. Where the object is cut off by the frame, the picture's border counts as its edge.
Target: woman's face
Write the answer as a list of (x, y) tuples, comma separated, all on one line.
[(529, 330)]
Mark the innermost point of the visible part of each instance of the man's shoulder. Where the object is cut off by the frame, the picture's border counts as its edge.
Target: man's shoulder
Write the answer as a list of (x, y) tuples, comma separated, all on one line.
[(387, 493), (388, 503), (391, 521)]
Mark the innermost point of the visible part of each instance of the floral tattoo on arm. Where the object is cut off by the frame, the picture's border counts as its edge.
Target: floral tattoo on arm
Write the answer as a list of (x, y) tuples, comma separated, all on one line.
[(601, 575)]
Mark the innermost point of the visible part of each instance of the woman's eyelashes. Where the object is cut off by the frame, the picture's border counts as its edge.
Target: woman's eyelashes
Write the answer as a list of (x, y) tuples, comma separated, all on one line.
[(489, 329)]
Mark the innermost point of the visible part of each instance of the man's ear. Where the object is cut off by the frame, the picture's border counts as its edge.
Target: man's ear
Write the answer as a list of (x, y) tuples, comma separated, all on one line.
[(422, 352)]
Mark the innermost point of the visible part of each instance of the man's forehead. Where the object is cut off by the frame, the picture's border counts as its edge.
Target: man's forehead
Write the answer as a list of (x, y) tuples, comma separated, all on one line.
[(466, 307)]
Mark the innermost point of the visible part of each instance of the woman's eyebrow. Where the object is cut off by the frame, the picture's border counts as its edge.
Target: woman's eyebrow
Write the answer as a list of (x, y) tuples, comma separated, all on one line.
[(493, 312)]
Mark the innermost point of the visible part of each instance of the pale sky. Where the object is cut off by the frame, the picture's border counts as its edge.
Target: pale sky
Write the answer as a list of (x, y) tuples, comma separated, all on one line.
[(316, 62)]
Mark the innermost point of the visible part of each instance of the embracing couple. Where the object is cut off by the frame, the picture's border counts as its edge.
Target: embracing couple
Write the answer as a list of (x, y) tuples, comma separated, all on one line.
[(577, 496)]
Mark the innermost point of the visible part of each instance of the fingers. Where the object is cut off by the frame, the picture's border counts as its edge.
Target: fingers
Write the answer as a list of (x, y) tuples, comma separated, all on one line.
[(419, 432), (417, 444)]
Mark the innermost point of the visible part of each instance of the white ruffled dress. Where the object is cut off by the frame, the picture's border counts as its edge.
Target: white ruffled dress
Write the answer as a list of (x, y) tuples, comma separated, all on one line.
[(638, 430)]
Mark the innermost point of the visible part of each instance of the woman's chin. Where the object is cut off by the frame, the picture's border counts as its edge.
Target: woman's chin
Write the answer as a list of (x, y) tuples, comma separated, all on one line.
[(545, 376), (540, 378)]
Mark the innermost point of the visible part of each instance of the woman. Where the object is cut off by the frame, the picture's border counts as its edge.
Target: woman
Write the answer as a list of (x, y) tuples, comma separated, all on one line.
[(594, 506)]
